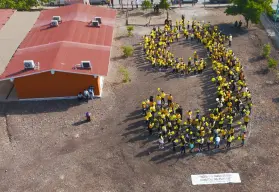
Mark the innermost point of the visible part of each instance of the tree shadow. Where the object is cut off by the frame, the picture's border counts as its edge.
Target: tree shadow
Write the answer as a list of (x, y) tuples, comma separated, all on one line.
[(228, 28), (256, 59), (262, 71), (121, 37)]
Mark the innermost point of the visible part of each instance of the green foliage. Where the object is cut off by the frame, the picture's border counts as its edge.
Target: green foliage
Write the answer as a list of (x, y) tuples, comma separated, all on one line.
[(130, 29), (272, 63), (250, 9), (146, 4), (125, 74), (127, 50), (20, 4), (164, 4), (266, 50)]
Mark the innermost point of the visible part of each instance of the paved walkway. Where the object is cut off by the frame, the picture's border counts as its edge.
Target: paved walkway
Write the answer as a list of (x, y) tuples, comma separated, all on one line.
[(271, 29), (11, 35)]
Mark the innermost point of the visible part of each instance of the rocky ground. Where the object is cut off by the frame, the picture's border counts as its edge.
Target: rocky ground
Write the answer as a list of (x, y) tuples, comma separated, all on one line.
[(46, 146)]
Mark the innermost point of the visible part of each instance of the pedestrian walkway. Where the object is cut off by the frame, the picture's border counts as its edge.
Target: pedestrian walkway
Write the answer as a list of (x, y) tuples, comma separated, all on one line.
[(13, 33), (271, 29)]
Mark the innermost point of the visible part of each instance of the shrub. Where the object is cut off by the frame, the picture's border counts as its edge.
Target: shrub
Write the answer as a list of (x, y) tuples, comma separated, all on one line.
[(128, 50), (146, 4), (130, 29), (272, 63), (266, 50), (125, 74)]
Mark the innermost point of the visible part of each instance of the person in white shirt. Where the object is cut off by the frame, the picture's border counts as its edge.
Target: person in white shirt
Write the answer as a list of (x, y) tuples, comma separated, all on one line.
[(217, 141), (230, 40), (86, 94)]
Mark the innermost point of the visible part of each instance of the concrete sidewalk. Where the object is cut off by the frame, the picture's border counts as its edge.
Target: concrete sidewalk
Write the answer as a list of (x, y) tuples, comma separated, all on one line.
[(271, 29), (13, 33)]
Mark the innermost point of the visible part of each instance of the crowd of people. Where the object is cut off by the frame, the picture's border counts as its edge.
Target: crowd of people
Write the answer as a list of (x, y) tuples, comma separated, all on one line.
[(233, 96)]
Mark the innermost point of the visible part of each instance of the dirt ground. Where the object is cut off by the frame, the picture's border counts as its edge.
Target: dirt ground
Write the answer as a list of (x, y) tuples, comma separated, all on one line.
[(46, 146)]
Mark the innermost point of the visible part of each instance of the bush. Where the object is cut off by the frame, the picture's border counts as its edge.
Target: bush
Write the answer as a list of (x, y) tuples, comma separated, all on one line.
[(272, 63), (146, 4), (266, 50), (128, 50), (130, 28), (125, 74)]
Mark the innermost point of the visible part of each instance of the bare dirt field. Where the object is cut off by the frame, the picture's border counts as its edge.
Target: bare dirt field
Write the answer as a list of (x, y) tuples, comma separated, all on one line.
[(46, 146)]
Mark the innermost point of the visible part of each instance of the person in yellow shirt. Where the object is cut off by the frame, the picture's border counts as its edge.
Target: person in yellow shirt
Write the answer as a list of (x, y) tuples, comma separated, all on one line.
[(150, 127), (229, 140), (170, 99), (163, 95), (246, 120)]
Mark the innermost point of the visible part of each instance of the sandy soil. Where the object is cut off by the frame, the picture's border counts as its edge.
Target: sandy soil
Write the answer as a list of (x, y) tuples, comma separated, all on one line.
[(46, 146)]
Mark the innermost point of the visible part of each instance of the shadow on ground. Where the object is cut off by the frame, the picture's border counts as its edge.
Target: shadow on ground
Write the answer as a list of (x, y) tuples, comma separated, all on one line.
[(33, 107)]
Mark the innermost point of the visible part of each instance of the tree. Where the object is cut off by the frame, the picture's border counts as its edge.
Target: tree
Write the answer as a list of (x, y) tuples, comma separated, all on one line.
[(250, 9), (21, 4), (146, 4), (164, 4)]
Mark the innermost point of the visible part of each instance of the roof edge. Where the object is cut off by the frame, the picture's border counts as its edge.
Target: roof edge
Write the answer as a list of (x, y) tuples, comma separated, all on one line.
[(15, 77)]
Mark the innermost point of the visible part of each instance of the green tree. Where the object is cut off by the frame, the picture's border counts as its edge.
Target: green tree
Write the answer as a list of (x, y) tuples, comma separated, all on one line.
[(250, 9), (21, 4), (164, 4), (7, 4), (146, 4)]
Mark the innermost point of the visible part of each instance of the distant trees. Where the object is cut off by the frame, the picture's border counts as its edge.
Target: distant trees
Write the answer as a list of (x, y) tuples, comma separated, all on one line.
[(164, 4), (146, 4), (20, 4), (250, 9)]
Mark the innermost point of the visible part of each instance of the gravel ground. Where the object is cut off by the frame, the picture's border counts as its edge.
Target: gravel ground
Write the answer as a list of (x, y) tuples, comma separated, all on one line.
[(46, 146)]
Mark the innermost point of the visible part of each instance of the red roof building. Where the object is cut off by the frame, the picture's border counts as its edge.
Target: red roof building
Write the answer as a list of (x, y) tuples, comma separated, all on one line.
[(58, 52), (5, 15)]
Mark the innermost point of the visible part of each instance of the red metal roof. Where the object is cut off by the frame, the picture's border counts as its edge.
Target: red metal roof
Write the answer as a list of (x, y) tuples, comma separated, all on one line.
[(74, 31), (77, 12), (5, 15), (60, 56), (61, 48)]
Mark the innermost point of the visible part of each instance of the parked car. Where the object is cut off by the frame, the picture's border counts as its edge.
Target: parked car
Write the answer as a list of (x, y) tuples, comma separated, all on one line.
[(219, 1), (189, 1), (98, 2), (56, 2)]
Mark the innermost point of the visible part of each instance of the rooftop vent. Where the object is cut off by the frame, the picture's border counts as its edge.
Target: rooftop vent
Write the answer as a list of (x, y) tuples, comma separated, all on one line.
[(57, 18), (99, 19), (95, 23), (54, 23), (86, 64), (29, 64)]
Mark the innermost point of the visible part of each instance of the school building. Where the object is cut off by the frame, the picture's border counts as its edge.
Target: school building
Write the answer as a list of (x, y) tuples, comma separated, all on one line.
[(66, 51)]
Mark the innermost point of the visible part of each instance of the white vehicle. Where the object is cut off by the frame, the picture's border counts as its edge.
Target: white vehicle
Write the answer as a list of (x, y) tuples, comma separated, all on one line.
[(56, 2)]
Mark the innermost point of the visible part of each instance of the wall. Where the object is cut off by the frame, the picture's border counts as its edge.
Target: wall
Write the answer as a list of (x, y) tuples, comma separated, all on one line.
[(60, 84)]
